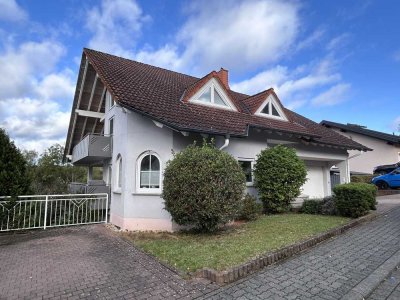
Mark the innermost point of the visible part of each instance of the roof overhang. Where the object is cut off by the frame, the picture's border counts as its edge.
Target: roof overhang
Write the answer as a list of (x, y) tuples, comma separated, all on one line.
[(87, 108)]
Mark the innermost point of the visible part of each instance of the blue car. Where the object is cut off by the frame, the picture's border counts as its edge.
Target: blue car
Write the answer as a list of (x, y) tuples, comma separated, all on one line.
[(390, 180)]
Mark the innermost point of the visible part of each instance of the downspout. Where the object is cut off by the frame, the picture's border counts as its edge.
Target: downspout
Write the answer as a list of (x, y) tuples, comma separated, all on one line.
[(226, 143)]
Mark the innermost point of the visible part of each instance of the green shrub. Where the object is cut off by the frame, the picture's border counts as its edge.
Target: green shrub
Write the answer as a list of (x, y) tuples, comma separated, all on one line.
[(328, 206), (373, 190), (362, 178), (250, 209), (354, 199), (279, 175), (203, 187), (312, 206), (322, 206)]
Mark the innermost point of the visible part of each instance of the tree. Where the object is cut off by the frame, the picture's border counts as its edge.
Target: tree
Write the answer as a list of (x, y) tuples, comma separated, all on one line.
[(50, 175), (279, 175), (13, 168), (203, 187)]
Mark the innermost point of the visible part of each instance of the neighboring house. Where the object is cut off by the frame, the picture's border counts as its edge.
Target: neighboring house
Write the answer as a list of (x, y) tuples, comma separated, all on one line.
[(146, 113), (386, 147)]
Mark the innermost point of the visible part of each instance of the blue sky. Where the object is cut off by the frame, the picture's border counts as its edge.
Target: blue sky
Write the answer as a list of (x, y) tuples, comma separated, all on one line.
[(334, 60)]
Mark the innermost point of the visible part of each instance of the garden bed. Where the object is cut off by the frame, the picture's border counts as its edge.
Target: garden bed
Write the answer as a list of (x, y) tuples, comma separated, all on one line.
[(235, 245)]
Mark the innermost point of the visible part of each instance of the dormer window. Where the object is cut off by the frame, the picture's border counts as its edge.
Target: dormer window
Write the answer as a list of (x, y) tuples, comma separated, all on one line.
[(212, 94), (271, 109)]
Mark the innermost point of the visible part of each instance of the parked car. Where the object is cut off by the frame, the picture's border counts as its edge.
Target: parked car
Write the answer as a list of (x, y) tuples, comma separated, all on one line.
[(385, 169), (390, 180)]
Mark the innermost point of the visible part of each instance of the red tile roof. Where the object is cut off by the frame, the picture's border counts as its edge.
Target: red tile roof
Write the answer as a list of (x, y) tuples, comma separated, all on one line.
[(158, 93)]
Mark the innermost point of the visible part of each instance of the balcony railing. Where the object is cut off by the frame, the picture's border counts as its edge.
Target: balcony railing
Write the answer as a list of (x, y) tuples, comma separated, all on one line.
[(92, 149)]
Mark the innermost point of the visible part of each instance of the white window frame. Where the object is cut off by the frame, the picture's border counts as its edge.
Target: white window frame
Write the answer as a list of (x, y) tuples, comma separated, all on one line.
[(269, 101), (251, 160), (111, 120), (140, 190), (109, 175), (214, 85), (109, 100), (118, 177)]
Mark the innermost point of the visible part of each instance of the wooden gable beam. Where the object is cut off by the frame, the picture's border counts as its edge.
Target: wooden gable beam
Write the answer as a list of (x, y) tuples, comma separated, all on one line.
[(89, 104), (78, 103)]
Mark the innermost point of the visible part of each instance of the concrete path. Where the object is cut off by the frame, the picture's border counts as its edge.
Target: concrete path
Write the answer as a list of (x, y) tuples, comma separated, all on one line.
[(90, 262)]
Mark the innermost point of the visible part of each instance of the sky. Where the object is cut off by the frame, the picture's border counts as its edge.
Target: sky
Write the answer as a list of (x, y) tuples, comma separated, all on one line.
[(334, 60)]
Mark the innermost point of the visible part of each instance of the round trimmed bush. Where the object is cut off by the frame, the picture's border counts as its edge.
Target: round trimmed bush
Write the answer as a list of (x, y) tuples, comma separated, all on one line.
[(279, 174), (354, 199), (203, 187)]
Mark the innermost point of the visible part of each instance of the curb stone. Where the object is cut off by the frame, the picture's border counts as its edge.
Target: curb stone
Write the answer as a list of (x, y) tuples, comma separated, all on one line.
[(365, 287)]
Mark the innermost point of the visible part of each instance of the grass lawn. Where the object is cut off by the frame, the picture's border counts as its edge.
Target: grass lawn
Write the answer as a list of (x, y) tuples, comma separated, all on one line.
[(189, 252)]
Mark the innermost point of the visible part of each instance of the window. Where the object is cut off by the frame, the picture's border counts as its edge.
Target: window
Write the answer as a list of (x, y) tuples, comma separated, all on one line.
[(271, 109), (111, 126), (213, 95), (118, 181), (149, 173), (247, 167), (109, 100), (109, 176)]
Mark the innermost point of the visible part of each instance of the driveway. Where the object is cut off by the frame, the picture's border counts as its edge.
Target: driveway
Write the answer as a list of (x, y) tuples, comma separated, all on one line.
[(87, 262), (91, 262)]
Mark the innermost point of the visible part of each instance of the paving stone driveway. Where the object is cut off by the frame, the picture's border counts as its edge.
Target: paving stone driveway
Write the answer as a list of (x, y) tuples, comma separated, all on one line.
[(87, 262), (90, 262)]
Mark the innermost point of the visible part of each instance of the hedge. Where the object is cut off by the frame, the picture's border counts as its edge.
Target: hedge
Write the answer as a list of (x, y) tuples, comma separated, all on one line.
[(355, 199)]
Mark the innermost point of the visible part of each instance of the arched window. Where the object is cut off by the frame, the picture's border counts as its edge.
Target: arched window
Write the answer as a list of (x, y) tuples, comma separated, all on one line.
[(149, 173), (118, 179)]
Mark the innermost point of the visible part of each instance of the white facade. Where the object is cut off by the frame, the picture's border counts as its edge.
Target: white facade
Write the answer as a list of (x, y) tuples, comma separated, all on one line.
[(365, 162), (134, 134)]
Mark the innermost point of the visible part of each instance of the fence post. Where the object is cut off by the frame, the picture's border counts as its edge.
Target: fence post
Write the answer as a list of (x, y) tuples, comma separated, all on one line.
[(45, 212), (106, 208)]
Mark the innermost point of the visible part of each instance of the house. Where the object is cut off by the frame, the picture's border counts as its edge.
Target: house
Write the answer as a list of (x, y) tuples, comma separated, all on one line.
[(129, 117), (386, 147)]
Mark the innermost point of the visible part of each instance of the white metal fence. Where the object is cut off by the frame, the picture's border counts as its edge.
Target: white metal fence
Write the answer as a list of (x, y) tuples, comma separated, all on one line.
[(42, 211)]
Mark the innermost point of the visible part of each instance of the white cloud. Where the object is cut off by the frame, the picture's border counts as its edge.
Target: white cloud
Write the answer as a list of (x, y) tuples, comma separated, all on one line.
[(32, 94), (33, 122), (11, 11), (115, 26), (396, 124), (262, 81), (311, 40), (253, 33), (293, 105), (338, 42), (166, 57), (334, 95), (292, 86), (57, 86), (22, 66)]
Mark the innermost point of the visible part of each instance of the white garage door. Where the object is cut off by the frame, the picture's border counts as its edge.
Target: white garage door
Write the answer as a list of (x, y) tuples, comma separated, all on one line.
[(314, 187)]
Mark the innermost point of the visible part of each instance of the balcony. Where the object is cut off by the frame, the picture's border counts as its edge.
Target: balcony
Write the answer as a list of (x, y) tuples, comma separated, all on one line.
[(92, 150)]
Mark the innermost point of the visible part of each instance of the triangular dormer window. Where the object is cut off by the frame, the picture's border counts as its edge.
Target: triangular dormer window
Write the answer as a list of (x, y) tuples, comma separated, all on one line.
[(212, 94), (271, 109)]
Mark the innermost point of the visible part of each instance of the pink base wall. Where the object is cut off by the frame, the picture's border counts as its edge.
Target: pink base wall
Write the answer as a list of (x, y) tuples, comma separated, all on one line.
[(142, 224)]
